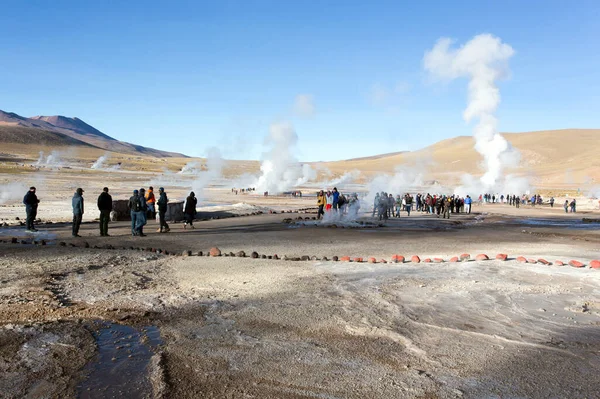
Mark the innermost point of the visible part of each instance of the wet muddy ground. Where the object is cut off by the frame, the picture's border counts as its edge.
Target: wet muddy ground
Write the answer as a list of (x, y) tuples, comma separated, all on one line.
[(79, 321)]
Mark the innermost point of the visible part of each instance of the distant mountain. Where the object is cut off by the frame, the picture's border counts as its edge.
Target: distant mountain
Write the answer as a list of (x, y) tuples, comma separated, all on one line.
[(75, 129), (74, 124)]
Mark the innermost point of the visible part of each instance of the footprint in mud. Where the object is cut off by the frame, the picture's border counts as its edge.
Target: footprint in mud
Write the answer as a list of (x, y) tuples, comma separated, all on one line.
[(54, 285), (120, 368)]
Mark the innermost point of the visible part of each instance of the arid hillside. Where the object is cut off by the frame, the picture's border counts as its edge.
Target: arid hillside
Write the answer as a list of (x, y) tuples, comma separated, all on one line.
[(565, 159), (557, 158), (39, 126)]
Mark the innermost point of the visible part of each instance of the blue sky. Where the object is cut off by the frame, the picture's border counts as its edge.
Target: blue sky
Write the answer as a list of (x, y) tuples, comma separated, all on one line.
[(185, 76)]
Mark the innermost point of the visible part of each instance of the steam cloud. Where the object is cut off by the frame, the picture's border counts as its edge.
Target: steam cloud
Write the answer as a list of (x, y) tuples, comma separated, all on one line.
[(304, 105), (280, 170), (12, 192), (483, 60), (214, 170), (191, 168), (53, 159), (100, 162)]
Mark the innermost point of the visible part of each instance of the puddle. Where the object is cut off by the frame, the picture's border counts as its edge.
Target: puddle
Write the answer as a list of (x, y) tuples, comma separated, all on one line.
[(120, 369)]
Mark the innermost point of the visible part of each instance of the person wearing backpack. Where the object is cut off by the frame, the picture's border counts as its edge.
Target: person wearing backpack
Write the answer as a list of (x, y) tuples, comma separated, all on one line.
[(134, 207)]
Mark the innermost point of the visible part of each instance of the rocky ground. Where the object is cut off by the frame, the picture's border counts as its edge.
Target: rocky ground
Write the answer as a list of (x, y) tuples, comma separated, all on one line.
[(242, 327)]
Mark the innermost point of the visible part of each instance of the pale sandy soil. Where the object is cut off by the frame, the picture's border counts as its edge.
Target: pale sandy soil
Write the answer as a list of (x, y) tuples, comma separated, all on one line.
[(259, 328)]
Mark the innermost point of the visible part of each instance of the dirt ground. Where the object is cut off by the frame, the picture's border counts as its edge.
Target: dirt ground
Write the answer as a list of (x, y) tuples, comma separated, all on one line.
[(233, 327)]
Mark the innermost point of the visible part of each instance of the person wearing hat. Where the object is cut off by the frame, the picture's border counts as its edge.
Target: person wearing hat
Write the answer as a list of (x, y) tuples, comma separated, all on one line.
[(77, 203), (162, 210), (134, 207), (105, 207), (31, 202)]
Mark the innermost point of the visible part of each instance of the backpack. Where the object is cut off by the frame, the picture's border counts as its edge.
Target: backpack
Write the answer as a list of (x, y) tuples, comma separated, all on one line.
[(136, 206)]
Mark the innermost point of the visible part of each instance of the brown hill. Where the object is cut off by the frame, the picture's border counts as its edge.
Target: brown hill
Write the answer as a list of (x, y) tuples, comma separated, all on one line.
[(27, 135), (75, 124), (551, 158), (74, 128)]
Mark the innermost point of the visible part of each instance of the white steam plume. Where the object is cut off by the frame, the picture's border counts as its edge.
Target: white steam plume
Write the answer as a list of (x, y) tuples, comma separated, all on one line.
[(214, 170), (405, 180), (12, 192), (344, 179), (304, 105), (280, 170), (483, 60), (191, 168), (99, 164), (53, 159)]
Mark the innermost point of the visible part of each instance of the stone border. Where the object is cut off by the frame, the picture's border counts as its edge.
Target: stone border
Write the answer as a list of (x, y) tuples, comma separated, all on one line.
[(216, 252)]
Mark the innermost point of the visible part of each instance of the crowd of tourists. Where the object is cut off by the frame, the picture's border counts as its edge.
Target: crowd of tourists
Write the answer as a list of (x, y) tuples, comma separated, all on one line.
[(142, 205), (534, 200), (387, 206), (334, 201)]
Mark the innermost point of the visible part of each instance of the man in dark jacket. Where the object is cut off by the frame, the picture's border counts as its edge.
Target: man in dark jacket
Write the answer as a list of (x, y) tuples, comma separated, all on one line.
[(77, 203), (105, 206), (190, 210), (31, 202), (134, 207), (162, 210), (142, 217)]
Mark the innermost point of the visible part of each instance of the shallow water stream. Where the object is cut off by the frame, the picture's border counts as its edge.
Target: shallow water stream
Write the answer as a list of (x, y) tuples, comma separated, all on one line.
[(120, 369)]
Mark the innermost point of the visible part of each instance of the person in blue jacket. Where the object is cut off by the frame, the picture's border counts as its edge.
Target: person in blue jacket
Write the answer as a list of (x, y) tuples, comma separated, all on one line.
[(468, 202), (336, 197)]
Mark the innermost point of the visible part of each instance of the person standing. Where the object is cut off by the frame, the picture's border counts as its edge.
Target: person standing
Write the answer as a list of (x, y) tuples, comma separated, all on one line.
[(31, 202), (328, 201), (336, 198), (150, 202), (375, 204), (468, 202), (105, 207), (551, 202), (408, 204), (134, 207), (320, 204), (190, 210), (142, 214), (572, 205), (566, 206), (390, 206), (162, 210), (77, 203), (398, 205), (446, 201)]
